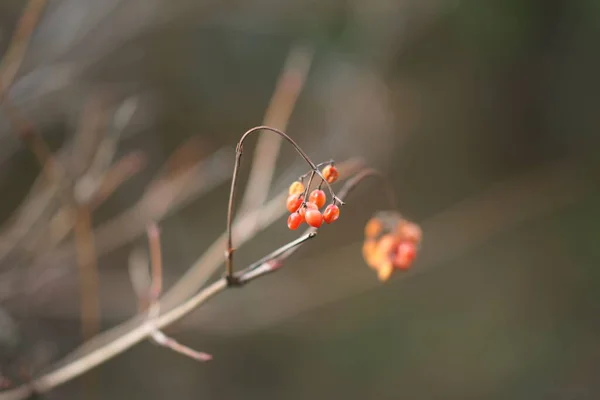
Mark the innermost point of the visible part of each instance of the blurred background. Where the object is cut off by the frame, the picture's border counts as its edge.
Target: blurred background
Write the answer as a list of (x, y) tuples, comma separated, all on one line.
[(483, 113)]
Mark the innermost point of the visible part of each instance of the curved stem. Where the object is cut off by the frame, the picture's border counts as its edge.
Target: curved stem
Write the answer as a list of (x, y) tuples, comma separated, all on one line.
[(365, 173), (239, 149)]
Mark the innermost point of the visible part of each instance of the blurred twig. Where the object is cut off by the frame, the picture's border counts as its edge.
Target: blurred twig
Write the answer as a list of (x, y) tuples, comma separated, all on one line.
[(83, 363), (450, 233), (283, 100), (11, 62), (88, 273)]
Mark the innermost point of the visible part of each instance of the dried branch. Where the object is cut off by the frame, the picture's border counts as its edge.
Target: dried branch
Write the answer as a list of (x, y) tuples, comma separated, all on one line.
[(11, 62), (158, 336), (88, 273), (95, 355), (283, 100), (239, 150)]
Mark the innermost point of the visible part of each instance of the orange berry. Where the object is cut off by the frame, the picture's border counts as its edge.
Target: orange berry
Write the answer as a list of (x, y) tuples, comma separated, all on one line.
[(294, 221), (405, 255), (317, 197), (313, 218), (368, 251), (410, 231), (384, 249), (293, 203), (373, 228), (330, 173), (296, 188), (384, 271), (331, 213), (307, 206)]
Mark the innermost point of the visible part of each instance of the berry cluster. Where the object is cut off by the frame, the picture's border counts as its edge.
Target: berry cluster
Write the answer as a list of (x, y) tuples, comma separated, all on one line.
[(302, 210), (391, 242)]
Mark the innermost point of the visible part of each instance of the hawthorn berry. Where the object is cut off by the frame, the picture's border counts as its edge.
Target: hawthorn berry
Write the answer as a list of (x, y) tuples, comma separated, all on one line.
[(296, 188), (293, 203), (373, 228), (317, 197), (410, 231), (405, 254), (305, 207), (294, 221), (331, 213), (330, 173), (313, 218), (385, 271)]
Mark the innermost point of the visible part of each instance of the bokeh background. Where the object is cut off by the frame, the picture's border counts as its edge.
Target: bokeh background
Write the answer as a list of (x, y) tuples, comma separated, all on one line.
[(484, 115)]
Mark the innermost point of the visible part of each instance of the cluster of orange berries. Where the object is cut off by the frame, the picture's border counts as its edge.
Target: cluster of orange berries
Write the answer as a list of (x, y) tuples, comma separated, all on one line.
[(308, 211), (391, 242)]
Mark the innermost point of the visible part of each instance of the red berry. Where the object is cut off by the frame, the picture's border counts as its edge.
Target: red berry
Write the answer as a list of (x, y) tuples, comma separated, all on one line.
[(405, 254), (411, 232), (331, 213), (307, 206), (294, 202), (330, 173), (294, 221), (296, 188), (317, 197), (313, 218)]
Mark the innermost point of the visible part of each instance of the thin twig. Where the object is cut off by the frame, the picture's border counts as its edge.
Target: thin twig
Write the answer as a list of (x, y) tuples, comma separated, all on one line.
[(353, 182), (97, 355), (239, 150), (283, 101), (11, 62), (159, 337), (88, 273)]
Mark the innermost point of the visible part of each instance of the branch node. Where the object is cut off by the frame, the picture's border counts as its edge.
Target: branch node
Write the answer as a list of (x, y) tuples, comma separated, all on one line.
[(234, 281)]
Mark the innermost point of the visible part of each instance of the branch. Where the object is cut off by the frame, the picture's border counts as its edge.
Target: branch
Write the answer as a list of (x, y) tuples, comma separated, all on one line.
[(10, 64), (283, 100), (98, 355), (239, 150)]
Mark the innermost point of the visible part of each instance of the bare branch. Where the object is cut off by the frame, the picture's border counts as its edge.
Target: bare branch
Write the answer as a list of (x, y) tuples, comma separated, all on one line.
[(10, 64), (283, 100), (239, 150), (88, 273), (117, 343)]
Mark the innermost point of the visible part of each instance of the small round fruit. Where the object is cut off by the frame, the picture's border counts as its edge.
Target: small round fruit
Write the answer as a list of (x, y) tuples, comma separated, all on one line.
[(384, 271), (368, 251), (405, 255), (313, 218), (307, 206), (293, 203), (317, 197), (294, 221), (330, 173), (411, 232), (373, 228), (384, 249), (296, 188), (331, 213)]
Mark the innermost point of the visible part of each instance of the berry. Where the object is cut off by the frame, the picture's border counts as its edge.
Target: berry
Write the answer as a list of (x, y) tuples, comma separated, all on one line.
[(294, 221), (307, 206), (313, 218), (384, 271), (410, 231), (294, 202), (330, 173), (373, 228), (405, 254), (331, 213), (296, 188), (368, 251), (317, 197)]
